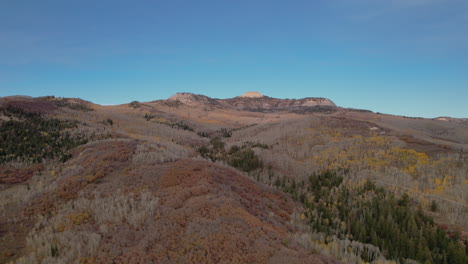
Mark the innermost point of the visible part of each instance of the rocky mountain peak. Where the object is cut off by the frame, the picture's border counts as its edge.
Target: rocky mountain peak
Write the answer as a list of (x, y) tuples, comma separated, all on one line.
[(252, 95)]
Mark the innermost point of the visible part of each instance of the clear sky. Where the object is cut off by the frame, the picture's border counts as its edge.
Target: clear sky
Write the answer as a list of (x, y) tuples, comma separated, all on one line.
[(406, 57)]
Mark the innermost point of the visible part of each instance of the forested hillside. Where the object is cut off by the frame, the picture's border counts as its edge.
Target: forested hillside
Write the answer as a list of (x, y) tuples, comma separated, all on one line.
[(206, 181)]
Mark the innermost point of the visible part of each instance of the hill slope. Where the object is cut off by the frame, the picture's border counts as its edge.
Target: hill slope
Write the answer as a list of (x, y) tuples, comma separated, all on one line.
[(249, 179)]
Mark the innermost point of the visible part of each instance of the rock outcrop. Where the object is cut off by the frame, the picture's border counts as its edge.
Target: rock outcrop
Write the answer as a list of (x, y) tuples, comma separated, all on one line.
[(252, 95), (255, 101)]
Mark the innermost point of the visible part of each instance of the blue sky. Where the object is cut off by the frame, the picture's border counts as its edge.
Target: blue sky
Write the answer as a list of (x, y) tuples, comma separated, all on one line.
[(406, 57)]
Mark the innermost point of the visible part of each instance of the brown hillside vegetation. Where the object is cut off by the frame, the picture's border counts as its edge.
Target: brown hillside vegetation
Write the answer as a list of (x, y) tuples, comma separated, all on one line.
[(243, 180)]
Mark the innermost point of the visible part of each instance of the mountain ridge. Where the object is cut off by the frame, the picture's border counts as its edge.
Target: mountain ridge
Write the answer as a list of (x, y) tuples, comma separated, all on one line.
[(253, 101)]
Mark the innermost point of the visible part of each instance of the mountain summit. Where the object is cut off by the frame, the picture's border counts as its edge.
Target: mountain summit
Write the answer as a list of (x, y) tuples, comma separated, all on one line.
[(252, 95)]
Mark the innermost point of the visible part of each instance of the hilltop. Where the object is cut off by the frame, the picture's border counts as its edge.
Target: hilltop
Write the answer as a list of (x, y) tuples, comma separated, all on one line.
[(252, 95)]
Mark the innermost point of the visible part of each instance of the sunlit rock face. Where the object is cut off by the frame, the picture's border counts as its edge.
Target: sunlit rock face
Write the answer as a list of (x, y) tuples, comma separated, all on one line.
[(252, 95)]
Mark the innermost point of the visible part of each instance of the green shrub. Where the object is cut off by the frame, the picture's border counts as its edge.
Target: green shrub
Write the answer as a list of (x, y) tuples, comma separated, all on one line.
[(242, 158)]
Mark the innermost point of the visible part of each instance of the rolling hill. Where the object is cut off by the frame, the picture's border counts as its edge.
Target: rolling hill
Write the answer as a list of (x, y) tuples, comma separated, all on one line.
[(250, 179)]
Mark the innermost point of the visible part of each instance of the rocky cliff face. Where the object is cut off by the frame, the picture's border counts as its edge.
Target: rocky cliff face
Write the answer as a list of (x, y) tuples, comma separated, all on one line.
[(254, 101), (266, 103), (252, 95)]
